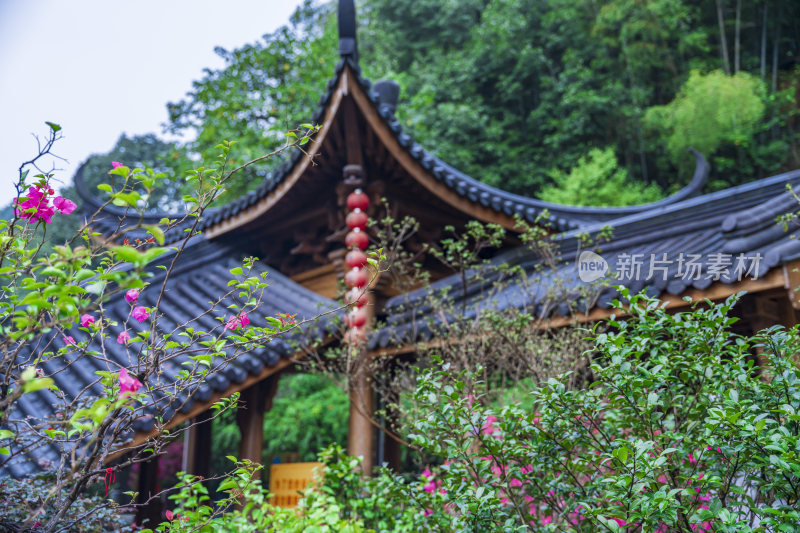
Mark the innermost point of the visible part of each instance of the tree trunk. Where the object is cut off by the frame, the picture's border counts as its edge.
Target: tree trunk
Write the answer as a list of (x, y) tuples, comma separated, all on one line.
[(726, 64), (775, 49), (737, 37), (764, 44)]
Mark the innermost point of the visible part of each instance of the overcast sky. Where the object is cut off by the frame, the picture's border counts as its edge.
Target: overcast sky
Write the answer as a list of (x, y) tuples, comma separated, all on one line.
[(100, 68)]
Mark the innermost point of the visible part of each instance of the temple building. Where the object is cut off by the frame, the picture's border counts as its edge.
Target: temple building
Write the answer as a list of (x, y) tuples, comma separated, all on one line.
[(685, 248)]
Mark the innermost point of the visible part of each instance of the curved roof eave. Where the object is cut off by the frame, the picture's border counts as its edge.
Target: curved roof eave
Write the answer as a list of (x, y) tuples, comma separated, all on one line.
[(487, 202), (467, 194)]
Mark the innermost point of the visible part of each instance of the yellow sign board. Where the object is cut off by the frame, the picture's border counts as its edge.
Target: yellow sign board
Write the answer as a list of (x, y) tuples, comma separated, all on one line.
[(288, 479)]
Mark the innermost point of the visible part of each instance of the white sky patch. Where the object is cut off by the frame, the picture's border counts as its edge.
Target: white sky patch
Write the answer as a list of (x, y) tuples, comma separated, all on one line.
[(101, 68)]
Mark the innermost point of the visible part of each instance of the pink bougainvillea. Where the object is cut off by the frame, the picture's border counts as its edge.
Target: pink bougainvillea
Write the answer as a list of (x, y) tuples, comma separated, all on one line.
[(37, 205), (65, 206), (132, 296), (123, 337), (128, 385), (140, 313), (116, 164), (87, 320), (235, 322), (69, 341)]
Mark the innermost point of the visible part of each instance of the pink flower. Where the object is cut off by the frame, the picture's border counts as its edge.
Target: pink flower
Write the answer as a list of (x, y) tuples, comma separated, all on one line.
[(36, 206), (69, 341), (117, 164), (128, 385), (87, 320), (488, 426), (235, 321), (546, 520), (515, 483), (64, 206), (123, 337), (140, 313), (132, 295), (430, 486), (619, 521), (168, 514)]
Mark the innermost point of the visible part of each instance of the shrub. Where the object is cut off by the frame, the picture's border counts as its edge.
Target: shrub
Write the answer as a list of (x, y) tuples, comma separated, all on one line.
[(683, 429)]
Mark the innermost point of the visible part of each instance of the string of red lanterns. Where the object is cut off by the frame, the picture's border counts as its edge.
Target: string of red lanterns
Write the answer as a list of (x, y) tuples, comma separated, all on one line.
[(356, 277)]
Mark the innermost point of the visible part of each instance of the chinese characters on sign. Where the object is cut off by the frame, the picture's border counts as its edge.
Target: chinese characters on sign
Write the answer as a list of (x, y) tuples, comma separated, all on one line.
[(686, 266)]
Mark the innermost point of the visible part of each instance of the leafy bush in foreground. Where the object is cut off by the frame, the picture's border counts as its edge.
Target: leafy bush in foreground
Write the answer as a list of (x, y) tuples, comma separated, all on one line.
[(681, 431)]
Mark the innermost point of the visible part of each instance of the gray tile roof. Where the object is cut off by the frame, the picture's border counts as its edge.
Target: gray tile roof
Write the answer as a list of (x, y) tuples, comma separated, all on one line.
[(722, 228), (200, 277), (562, 217)]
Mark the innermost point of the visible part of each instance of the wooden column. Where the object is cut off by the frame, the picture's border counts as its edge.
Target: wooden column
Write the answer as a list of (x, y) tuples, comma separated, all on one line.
[(150, 513), (197, 446), (361, 434), (253, 403)]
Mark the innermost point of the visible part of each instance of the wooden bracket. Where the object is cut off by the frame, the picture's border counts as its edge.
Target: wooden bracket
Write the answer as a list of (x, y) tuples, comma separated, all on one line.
[(791, 276)]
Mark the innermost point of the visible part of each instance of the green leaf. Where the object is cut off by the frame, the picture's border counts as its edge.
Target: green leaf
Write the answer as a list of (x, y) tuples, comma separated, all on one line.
[(156, 232), (37, 384), (127, 254), (53, 126)]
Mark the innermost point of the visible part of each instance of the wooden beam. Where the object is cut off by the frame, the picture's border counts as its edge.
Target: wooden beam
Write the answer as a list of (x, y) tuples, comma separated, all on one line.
[(352, 135), (254, 402), (323, 280), (791, 272), (140, 438), (250, 419), (197, 446), (149, 514), (361, 434)]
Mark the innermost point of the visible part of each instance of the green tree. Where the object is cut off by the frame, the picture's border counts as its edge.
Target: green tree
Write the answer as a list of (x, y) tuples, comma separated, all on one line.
[(717, 114), (597, 179), (265, 89)]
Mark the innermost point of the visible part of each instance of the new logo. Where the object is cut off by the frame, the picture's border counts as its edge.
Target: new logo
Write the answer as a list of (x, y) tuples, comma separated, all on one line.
[(591, 266)]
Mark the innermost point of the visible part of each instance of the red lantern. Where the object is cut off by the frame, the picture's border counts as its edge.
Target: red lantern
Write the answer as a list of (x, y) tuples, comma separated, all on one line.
[(356, 318), (357, 219), (355, 278), (357, 200), (356, 297), (355, 336), (355, 259), (356, 239)]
